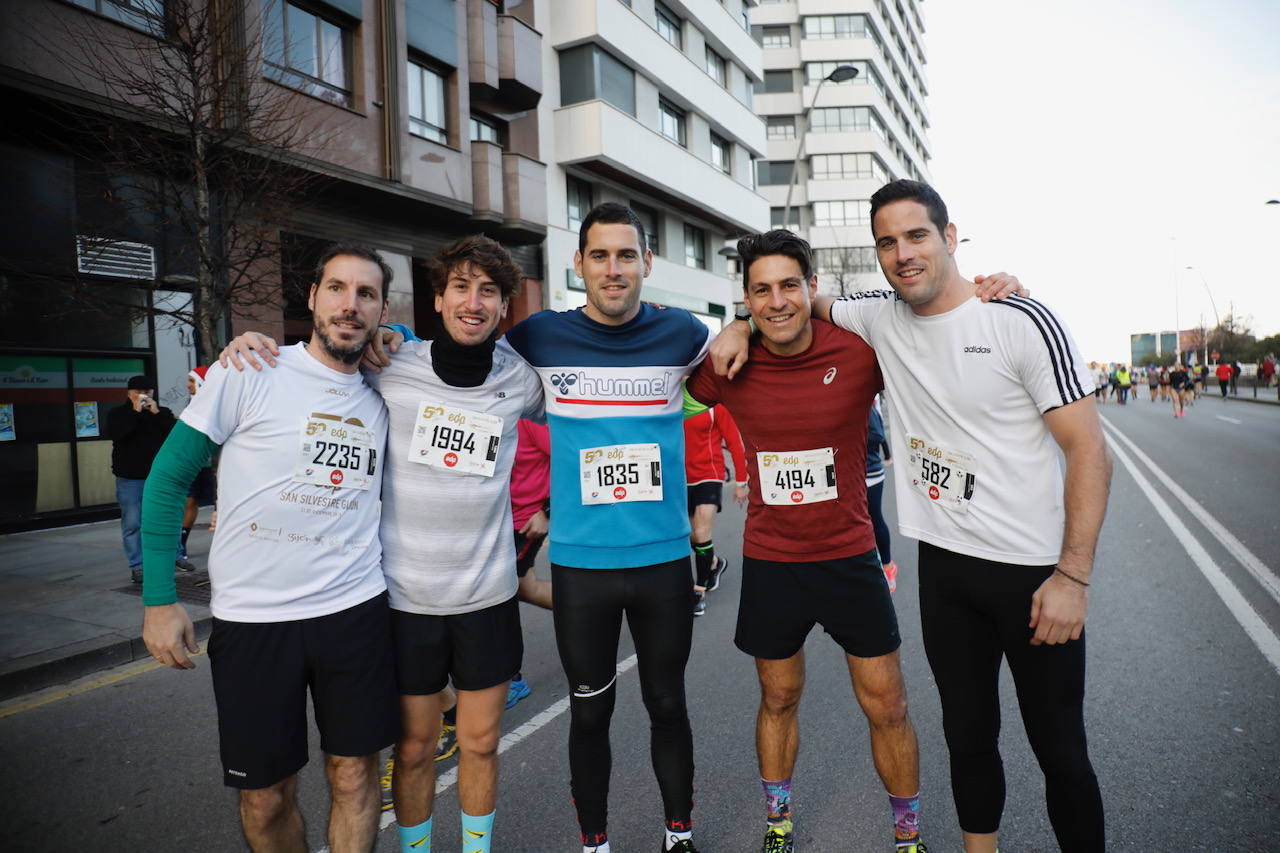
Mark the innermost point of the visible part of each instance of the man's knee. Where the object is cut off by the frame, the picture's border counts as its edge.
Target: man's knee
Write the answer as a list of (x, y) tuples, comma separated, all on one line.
[(479, 740), (780, 700), (261, 807), (351, 776), (666, 708)]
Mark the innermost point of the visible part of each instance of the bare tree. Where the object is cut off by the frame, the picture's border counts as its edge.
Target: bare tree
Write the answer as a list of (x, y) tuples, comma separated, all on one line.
[(841, 267), (188, 134)]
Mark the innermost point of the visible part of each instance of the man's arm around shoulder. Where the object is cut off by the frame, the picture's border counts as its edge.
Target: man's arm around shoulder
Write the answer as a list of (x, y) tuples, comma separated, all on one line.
[(1059, 606)]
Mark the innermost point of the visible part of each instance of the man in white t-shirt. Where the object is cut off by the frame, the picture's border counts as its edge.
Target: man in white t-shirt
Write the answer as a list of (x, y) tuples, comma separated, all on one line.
[(299, 601), (982, 396)]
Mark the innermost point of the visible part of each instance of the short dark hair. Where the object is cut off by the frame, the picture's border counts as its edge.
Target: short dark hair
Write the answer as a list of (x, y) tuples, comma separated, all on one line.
[(611, 213), (907, 190), (357, 250), (481, 251), (779, 241)]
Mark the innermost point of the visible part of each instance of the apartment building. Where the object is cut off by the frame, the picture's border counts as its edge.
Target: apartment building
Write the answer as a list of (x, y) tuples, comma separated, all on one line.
[(857, 134), (649, 103), (429, 112)]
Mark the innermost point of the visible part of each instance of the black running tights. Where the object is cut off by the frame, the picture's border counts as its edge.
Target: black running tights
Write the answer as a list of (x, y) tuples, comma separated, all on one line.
[(589, 605), (973, 612)]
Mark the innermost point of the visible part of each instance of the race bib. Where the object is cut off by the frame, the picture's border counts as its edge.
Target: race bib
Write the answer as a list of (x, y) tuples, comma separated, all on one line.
[(621, 473), (797, 477), (946, 477), (455, 439), (333, 453)]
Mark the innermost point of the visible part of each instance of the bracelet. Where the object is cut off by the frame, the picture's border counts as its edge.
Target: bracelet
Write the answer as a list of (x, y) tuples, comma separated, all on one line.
[(1070, 577)]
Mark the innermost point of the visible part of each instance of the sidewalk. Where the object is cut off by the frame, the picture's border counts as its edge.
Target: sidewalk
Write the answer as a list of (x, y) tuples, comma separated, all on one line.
[(68, 608)]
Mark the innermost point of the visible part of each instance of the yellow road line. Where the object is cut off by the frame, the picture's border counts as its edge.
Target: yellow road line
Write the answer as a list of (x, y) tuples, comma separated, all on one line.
[(84, 685)]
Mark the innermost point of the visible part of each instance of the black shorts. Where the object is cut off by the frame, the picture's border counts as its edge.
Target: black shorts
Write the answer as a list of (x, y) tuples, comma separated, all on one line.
[(704, 493), (204, 488), (477, 650), (849, 597), (261, 673), (527, 552)]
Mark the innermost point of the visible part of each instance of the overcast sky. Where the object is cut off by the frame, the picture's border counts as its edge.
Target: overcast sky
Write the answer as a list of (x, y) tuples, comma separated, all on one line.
[(1096, 149)]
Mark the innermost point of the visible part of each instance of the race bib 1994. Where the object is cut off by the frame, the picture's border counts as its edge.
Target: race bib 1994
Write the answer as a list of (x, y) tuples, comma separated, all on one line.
[(455, 439)]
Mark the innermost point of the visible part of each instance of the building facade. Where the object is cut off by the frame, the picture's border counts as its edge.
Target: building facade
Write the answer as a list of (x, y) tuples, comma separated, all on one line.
[(650, 104), (430, 120), (856, 136)]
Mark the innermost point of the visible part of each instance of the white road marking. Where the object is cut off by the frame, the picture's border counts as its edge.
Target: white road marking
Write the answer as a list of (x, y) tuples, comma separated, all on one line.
[(1254, 626), (449, 778), (1260, 571), (1227, 419)]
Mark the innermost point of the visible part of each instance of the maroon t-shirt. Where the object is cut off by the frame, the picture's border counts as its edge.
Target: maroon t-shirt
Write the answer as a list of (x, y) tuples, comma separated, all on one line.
[(817, 399)]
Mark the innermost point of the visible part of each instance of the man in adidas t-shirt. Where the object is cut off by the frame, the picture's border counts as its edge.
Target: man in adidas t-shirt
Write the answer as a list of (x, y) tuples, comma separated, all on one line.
[(299, 600), (982, 396)]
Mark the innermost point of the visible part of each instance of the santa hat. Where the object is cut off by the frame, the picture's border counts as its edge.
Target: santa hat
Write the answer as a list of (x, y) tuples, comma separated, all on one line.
[(197, 374)]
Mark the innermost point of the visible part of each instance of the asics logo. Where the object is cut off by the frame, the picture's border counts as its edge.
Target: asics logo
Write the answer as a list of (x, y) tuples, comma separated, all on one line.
[(831, 374)]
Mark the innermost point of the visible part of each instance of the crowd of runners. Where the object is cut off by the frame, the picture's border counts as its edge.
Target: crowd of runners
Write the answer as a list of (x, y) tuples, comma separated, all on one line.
[(381, 500)]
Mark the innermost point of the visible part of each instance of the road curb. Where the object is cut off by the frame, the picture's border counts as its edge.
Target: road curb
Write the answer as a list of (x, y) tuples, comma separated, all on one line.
[(61, 670)]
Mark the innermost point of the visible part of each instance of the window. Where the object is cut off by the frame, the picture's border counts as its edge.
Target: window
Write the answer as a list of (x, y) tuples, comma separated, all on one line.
[(695, 247), (833, 167), (836, 27), (776, 81), (816, 71), (671, 119), (855, 259), (587, 72), (667, 25), (780, 127), (649, 219), (716, 67), (776, 219), (307, 52), (775, 37), (146, 15), (774, 172), (721, 153), (578, 196), (841, 212), (846, 119), (485, 130), (427, 116)]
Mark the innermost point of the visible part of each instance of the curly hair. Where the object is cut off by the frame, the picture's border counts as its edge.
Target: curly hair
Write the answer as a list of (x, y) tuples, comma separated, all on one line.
[(482, 252)]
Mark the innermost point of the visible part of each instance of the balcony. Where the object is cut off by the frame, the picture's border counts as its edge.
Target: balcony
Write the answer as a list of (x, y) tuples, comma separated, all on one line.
[(524, 198), (486, 182), (603, 139), (519, 64), (482, 49)]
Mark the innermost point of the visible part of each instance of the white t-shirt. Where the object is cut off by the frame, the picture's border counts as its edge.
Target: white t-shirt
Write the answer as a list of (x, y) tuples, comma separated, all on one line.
[(447, 545), (285, 549), (976, 469)]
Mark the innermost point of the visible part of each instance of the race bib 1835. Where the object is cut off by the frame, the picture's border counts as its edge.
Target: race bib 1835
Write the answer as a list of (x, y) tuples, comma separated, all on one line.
[(621, 473)]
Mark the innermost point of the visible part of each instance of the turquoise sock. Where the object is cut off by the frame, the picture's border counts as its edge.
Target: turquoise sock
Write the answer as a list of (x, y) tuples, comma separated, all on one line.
[(415, 839), (477, 833)]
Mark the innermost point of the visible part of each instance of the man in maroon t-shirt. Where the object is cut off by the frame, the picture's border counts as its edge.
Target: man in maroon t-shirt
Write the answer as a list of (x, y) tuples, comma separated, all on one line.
[(809, 550)]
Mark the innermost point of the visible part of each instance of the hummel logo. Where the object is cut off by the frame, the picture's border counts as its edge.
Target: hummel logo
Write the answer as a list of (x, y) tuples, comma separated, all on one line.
[(982, 350), (831, 374), (563, 381)]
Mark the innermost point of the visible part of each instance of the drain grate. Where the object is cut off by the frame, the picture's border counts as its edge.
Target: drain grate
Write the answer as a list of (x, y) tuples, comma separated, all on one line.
[(193, 588)]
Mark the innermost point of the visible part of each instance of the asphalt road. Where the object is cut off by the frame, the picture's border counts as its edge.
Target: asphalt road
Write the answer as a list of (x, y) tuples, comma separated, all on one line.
[(1182, 704)]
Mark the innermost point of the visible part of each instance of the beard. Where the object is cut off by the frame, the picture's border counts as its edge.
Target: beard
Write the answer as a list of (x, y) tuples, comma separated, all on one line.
[(347, 354)]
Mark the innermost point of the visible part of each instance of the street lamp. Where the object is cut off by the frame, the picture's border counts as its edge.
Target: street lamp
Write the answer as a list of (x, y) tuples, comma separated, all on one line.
[(1217, 320), (839, 74)]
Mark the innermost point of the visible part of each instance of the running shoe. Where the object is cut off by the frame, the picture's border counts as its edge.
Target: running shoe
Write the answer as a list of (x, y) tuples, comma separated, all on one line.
[(385, 782), (448, 743), (518, 689), (135, 575), (891, 574), (914, 847), (716, 571), (700, 605), (184, 565), (684, 845), (778, 838)]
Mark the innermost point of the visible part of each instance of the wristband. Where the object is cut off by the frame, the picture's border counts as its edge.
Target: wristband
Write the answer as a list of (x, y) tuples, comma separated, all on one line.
[(1070, 577)]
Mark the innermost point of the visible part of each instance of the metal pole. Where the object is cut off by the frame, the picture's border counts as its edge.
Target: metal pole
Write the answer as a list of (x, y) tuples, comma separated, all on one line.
[(795, 164)]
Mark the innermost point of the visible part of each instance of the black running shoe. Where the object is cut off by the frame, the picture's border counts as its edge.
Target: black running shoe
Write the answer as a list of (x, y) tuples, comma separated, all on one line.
[(716, 571), (683, 846)]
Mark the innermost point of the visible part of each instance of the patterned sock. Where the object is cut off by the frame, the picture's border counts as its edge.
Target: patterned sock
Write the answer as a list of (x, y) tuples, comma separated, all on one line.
[(594, 842), (477, 832), (704, 557), (906, 819), (777, 799), (415, 839)]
